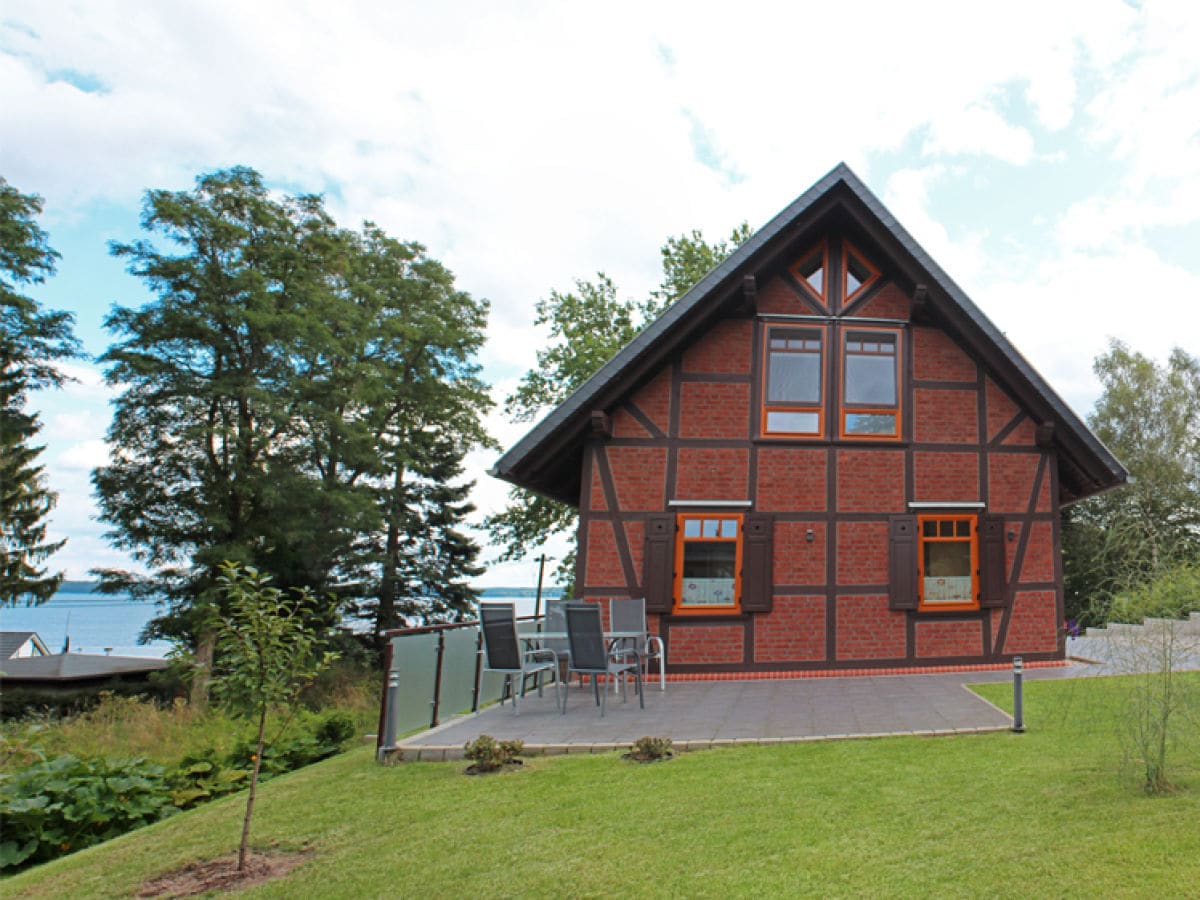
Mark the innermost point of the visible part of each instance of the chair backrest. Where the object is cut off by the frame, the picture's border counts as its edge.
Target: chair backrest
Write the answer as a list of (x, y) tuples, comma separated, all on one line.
[(586, 637), (498, 621), (556, 620), (629, 615)]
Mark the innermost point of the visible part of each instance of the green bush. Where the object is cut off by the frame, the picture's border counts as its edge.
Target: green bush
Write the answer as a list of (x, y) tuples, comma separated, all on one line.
[(308, 739), (200, 777), (64, 804), (648, 749), (488, 754)]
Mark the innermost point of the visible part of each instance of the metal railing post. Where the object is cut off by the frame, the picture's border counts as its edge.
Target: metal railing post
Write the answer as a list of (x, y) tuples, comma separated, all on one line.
[(437, 679), (478, 671)]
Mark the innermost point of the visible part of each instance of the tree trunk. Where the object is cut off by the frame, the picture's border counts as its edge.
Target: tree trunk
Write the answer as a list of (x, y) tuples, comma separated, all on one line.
[(258, 751), (205, 647), (385, 615)]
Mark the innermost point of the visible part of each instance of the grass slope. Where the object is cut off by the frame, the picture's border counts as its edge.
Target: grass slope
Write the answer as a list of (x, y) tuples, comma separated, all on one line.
[(1038, 814)]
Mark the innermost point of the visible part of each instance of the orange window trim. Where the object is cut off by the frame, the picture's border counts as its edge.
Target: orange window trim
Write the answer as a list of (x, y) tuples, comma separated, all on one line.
[(679, 608), (767, 406), (849, 296), (846, 409), (821, 247), (973, 522)]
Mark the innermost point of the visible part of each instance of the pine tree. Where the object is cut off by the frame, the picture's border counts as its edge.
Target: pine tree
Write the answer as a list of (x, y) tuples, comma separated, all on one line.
[(31, 339)]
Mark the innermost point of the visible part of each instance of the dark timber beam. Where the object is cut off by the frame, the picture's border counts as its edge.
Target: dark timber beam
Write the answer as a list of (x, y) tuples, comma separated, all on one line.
[(1044, 436), (921, 311), (601, 424), (750, 295)]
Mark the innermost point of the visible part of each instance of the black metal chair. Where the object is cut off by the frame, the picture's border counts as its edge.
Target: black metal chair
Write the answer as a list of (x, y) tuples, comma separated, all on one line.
[(502, 652), (630, 615), (591, 654)]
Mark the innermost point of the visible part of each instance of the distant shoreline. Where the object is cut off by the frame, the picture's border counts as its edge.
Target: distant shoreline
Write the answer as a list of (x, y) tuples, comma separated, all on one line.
[(90, 587)]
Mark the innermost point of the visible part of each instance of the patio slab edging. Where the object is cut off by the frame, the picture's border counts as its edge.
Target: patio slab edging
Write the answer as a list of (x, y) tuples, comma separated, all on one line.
[(454, 752)]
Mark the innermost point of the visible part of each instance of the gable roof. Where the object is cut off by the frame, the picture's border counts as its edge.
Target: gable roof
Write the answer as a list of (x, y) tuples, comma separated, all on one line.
[(548, 459), (12, 641), (77, 667)]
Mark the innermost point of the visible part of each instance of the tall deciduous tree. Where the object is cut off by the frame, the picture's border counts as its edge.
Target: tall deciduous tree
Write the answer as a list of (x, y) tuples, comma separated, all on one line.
[(587, 327), (31, 340), (271, 393), (1149, 416)]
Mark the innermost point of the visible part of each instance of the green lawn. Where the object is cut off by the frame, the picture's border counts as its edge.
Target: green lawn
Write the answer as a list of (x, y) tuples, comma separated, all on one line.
[(1039, 814)]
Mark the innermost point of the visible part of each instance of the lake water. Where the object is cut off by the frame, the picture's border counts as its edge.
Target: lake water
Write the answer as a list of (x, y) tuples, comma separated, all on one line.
[(111, 624)]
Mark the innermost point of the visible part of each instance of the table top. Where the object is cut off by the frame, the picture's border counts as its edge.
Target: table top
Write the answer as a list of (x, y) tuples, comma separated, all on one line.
[(562, 635)]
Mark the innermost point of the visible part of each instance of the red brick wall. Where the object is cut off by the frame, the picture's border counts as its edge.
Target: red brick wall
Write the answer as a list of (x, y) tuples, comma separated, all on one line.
[(797, 561), (794, 631), (714, 410), (945, 417), (948, 639), (937, 358), (862, 553), (725, 349), (794, 480), (1033, 627), (625, 425), (870, 480), (1000, 408), (655, 400), (946, 476), (1010, 481), (603, 563), (692, 644), (640, 477), (713, 474), (777, 296), (889, 303), (596, 499), (1039, 554), (867, 629)]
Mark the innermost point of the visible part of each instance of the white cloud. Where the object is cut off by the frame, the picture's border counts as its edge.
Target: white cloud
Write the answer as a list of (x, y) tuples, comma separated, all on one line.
[(529, 146)]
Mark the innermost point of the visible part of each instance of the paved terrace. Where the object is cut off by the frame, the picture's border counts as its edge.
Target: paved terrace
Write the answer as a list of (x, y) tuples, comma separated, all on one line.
[(699, 714)]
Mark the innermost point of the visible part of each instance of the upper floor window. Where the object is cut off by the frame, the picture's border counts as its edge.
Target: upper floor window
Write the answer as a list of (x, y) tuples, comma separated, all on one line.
[(870, 383), (709, 554), (857, 272), (793, 384), (810, 271)]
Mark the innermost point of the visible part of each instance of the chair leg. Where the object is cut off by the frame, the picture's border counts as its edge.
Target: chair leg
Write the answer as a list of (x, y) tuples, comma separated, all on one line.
[(596, 689), (603, 698)]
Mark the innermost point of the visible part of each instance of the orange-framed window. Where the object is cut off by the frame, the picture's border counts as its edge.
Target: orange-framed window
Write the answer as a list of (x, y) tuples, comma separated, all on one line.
[(708, 573), (871, 368), (794, 381), (812, 270), (948, 562), (857, 273)]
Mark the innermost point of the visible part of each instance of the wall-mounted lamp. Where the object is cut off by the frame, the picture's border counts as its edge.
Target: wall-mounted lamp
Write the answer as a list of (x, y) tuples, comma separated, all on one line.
[(1012, 536), (808, 536)]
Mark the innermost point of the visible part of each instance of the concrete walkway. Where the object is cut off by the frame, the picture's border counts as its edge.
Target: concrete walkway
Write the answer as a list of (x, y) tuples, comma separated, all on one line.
[(703, 713)]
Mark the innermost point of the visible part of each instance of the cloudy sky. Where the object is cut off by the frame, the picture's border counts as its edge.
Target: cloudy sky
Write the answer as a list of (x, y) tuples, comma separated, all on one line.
[(1046, 154)]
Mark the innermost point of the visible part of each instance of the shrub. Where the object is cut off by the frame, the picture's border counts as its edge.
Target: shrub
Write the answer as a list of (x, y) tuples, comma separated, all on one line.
[(488, 754), (200, 777), (65, 804), (648, 749)]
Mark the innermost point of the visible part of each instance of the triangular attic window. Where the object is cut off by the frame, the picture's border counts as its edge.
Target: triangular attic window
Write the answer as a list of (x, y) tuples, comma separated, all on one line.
[(859, 274), (810, 270)]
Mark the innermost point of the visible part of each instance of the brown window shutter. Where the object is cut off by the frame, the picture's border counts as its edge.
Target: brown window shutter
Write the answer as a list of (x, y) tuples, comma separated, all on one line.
[(658, 565), (757, 585), (992, 581), (902, 562)]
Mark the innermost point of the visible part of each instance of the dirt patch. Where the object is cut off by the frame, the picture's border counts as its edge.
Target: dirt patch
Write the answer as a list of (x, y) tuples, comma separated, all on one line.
[(475, 769), (221, 875)]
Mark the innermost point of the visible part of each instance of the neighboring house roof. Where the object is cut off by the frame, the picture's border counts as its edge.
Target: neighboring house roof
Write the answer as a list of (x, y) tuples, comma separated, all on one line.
[(548, 459), (77, 667), (12, 641)]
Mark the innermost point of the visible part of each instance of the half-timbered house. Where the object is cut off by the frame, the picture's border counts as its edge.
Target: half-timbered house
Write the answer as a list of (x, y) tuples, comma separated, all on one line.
[(823, 456)]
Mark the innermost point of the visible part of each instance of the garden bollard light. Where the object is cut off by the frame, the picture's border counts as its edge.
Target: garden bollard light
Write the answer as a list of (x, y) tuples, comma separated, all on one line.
[(1018, 724), (393, 711)]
